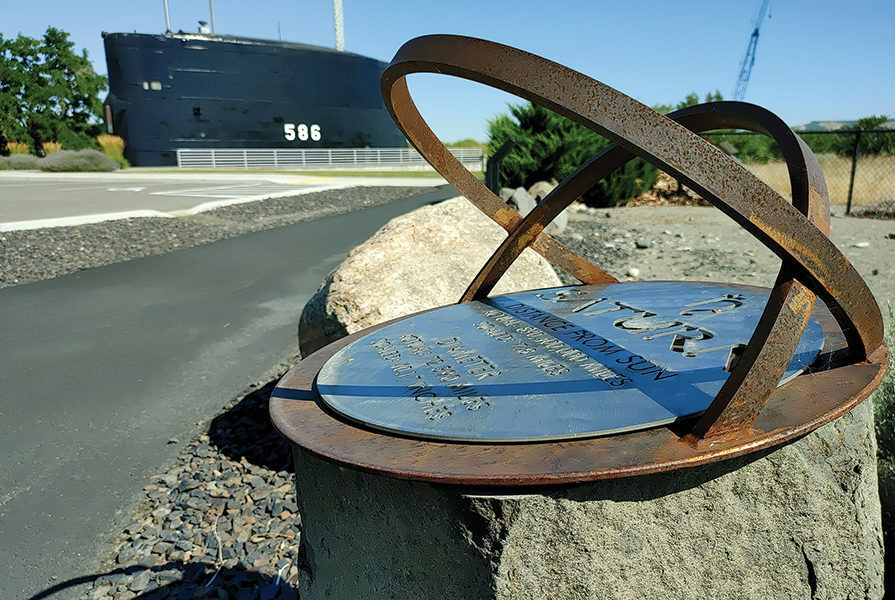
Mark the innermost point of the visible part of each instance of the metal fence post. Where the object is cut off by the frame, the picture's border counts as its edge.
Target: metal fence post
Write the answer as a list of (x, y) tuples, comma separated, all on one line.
[(492, 173), (854, 165)]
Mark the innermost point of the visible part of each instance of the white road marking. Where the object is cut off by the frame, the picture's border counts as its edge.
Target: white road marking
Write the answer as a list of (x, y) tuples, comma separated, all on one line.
[(79, 220), (234, 191), (205, 206)]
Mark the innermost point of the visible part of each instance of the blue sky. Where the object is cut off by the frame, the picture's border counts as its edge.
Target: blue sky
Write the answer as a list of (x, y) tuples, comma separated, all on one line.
[(820, 60)]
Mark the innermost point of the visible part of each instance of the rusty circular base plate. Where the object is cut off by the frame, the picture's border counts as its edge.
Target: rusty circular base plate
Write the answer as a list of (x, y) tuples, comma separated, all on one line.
[(830, 388)]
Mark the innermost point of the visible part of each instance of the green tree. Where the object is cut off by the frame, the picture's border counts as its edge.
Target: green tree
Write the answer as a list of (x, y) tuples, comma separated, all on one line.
[(871, 143), (689, 100), (551, 146), (48, 92)]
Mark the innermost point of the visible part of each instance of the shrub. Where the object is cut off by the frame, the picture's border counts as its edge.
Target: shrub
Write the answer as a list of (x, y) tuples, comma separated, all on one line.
[(467, 143), (82, 160), (20, 162), (18, 148), (113, 147), (551, 146), (50, 147)]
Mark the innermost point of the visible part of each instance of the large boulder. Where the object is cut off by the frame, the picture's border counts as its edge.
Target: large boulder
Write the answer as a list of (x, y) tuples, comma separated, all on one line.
[(423, 259), (799, 522)]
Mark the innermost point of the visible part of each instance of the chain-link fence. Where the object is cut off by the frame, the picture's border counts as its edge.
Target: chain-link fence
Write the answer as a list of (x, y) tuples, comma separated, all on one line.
[(859, 166)]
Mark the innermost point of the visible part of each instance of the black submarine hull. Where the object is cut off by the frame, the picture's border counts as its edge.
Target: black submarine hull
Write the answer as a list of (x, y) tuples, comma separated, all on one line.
[(202, 91)]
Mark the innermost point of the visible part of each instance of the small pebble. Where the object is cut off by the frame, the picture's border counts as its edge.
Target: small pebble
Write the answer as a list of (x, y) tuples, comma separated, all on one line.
[(861, 245), (634, 272)]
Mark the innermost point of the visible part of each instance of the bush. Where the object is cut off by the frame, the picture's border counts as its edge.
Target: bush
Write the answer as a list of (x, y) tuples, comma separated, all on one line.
[(467, 143), (50, 147), (82, 160), (551, 146), (19, 162), (18, 148), (113, 147)]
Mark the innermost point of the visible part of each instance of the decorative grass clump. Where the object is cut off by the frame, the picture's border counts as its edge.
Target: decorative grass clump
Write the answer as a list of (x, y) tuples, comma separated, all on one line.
[(15, 148), (113, 147), (18, 162), (50, 147), (82, 160)]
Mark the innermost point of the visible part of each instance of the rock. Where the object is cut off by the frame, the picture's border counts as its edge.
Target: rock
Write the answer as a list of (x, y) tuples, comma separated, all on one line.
[(861, 245), (559, 224), (891, 236), (643, 243), (417, 261), (139, 582), (668, 191), (506, 193), (540, 189), (522, 201), (666, 185), (800, 521), (634, 272)]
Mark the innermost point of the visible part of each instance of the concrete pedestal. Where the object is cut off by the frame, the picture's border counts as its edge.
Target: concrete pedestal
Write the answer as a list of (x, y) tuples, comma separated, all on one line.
[(801, 521)]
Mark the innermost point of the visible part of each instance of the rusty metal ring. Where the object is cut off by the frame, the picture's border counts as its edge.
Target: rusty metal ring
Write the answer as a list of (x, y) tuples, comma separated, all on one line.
[(749, 414), (677, 151), (786, 314)]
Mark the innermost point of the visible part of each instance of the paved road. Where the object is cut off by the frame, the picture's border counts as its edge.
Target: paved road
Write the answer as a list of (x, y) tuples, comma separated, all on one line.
[(33, 200), (100, 369)]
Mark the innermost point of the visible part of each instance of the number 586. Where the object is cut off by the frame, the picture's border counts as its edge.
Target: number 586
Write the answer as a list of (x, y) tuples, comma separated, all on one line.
[(302, 132)]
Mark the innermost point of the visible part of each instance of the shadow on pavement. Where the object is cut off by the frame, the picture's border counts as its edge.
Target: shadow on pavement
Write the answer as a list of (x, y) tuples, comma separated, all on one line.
[(179, 581), (245, 431)]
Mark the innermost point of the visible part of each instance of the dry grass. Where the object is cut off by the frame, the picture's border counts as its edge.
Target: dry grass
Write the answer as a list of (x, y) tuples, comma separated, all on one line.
[(110, 143), (874, 178), (113, 147), (50, 147), (18, 148)]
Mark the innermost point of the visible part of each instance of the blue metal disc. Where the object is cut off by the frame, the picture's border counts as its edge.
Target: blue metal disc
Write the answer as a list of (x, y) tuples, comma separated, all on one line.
[(553, 364)]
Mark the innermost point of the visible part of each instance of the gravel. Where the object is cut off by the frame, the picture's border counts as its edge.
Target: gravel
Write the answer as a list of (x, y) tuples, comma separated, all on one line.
[(222, 522), (37, 254), (701, 243), (219, 523)]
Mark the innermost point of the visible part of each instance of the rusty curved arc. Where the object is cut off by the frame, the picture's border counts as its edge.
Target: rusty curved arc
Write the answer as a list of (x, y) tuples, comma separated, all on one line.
[(699, 118), (751, 203), (408, 118)]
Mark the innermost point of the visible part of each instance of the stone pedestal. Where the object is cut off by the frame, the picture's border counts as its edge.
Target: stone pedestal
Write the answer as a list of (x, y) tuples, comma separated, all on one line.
[(801, 521)]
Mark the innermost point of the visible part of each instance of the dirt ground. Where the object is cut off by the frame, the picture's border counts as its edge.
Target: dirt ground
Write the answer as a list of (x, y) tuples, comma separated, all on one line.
[(702, 243)]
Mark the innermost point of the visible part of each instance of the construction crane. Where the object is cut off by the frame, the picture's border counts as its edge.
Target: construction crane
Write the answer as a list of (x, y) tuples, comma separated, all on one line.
[(749, 59)]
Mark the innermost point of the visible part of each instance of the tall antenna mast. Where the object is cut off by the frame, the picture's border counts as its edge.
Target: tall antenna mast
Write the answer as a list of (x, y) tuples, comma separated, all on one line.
[(211, 6), (749, 59), (167, 17), (338, 25)]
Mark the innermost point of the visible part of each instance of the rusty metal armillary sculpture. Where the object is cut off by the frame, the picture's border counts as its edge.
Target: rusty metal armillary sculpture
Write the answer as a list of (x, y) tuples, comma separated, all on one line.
[(751, 411)]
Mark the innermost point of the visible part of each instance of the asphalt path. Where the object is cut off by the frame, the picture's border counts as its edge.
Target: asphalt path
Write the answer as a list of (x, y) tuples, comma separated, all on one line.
[(102, 369), (33, 200)]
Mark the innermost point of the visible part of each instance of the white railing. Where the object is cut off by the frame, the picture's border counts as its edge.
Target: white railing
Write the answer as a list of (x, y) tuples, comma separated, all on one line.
[(317, 158)]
